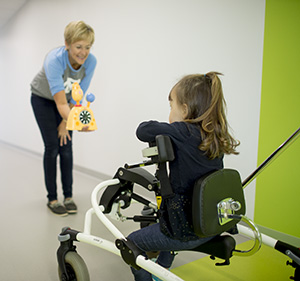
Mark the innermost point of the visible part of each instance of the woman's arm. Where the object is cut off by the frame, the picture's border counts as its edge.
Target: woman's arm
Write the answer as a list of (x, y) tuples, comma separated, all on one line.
[(62, 104), (64, 110)]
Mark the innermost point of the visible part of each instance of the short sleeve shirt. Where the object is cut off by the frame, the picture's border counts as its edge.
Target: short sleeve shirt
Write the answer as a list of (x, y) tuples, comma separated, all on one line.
[(57, 74)]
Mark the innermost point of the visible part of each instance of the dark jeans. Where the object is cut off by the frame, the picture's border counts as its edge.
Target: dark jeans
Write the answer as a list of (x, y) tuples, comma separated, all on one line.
[(150, 238), (48, 119)]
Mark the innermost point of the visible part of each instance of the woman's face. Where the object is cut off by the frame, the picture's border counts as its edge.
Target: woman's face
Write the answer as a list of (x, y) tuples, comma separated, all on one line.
[(78, 52), (178, 112)]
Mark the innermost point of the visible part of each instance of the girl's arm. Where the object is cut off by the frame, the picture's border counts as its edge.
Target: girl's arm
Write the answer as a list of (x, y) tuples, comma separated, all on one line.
[(147, 131)]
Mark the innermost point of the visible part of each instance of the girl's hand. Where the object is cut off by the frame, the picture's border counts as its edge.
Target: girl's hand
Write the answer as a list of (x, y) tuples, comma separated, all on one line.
[(63, 133)]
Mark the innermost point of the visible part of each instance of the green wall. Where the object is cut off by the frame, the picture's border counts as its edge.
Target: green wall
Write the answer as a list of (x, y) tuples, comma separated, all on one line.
[(277, 199)]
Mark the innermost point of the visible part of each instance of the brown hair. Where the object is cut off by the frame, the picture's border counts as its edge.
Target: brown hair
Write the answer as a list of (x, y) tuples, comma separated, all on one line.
[(77, 31), (203, 95)]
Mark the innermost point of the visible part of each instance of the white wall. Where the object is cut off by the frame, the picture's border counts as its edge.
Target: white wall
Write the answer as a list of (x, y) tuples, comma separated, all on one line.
[(143, 48)]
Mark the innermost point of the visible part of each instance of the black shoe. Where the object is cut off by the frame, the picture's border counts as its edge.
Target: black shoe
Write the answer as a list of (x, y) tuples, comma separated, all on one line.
[(70, 206), (58, 209)]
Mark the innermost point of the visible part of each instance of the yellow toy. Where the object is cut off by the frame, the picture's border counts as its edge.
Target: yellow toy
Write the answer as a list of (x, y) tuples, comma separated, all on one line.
[(81, 116)]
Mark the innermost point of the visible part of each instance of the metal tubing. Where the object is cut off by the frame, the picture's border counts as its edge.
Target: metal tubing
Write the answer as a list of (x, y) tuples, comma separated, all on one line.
[(98, 242), (254, 234), (272, 157), (109, 225), (157, 270), (88, 221), (266, 240)]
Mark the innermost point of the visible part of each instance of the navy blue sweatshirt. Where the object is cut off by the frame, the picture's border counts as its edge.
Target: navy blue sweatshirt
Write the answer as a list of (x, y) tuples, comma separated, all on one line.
[(189, 164)]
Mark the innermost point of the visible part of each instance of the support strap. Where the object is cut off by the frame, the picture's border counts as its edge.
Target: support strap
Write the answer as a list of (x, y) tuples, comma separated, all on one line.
[(165, 186)]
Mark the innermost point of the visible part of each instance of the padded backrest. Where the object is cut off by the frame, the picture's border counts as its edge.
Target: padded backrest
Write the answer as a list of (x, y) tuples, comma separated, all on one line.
[(209, 190)]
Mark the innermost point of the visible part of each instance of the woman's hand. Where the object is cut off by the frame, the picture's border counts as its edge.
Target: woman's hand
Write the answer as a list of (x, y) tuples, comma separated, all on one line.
[(64, 110), (85, 129), (63, 133)]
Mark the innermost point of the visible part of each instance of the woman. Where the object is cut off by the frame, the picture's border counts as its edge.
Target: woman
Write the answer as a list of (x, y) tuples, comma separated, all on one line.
[(51, 102)]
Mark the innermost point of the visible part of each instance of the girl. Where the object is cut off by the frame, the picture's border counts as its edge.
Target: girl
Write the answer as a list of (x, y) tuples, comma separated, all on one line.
[(51, 102), (199, 132)]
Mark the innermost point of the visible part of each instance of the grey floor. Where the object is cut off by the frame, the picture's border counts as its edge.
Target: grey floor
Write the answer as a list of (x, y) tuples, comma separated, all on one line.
[(29, 230)]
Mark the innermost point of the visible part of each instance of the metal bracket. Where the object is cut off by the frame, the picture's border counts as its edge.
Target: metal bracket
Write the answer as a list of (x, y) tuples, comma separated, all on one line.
[(227, 207), (115, 213), (150, 151)]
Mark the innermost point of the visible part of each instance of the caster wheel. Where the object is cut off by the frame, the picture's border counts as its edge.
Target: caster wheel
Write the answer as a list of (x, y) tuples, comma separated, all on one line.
[(76, 268)]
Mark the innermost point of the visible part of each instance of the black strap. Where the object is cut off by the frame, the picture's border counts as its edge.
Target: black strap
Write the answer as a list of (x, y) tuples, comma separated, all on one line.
[(165, 186)]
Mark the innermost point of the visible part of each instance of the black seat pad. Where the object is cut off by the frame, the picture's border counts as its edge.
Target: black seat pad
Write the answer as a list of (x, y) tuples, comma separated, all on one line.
[(220, 247)]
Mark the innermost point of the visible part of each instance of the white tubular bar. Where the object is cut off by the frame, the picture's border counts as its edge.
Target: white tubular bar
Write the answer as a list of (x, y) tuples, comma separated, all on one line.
[(156, 269), (267, 240), (141, 261), (98, 242), (97, 209), (88, 221)]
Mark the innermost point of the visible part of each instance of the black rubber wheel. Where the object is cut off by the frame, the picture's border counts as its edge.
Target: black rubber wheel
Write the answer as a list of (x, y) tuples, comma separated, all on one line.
[(76, 268)]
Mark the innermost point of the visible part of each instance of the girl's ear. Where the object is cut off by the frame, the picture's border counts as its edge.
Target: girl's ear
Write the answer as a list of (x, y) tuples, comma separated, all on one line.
[(185, 111)]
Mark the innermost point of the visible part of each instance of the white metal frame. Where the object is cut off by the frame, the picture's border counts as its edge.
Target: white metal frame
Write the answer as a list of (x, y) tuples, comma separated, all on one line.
[(147, 264), (88, 238)]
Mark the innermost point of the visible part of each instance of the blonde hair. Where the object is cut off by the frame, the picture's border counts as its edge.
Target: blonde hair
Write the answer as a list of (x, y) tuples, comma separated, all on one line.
[(77, 31), (203, 95)]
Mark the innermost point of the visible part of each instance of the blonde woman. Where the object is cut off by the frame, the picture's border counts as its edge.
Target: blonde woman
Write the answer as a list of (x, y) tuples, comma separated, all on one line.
[(51, 102)]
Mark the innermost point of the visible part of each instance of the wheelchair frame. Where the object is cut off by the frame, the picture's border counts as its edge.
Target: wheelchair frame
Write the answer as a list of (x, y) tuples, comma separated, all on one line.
[(131, 254)]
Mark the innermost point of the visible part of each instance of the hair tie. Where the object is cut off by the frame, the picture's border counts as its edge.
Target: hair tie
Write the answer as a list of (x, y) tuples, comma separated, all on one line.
[(207, 78)]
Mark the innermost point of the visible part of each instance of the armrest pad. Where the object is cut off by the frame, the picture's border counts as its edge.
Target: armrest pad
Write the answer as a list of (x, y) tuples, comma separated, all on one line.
[(139, 176)]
